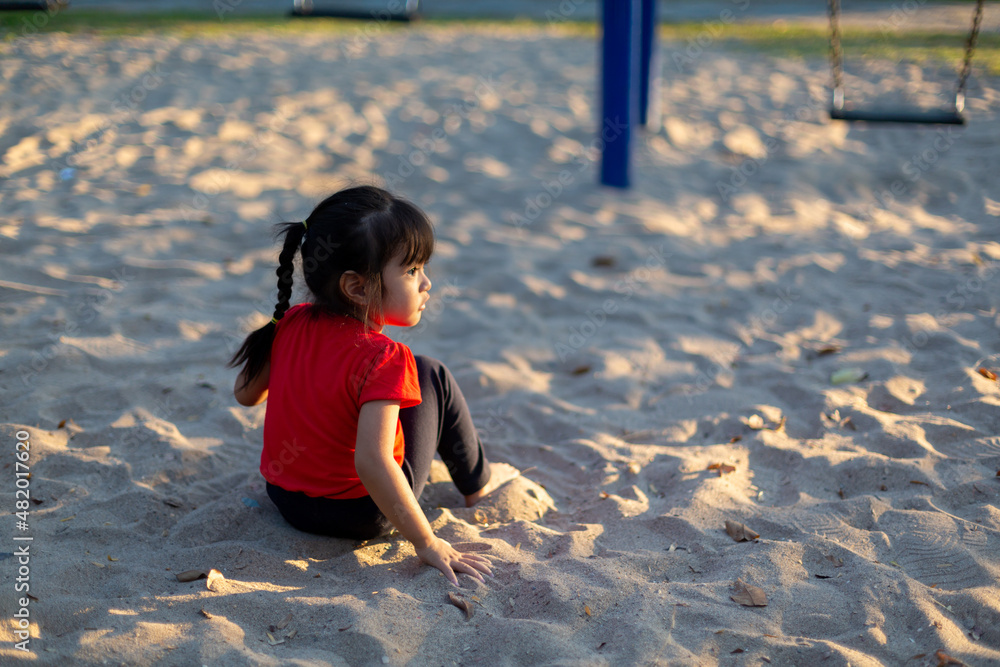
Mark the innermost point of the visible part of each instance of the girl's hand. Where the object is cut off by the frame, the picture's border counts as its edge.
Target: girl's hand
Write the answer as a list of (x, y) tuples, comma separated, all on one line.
[(385, 481), (449, 560)]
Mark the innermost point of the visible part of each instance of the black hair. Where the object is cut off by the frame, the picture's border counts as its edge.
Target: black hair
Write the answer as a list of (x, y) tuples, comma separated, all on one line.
[(357, 229)]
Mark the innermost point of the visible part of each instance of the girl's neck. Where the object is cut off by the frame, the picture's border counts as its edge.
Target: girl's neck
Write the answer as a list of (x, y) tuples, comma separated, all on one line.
[(367, 323)]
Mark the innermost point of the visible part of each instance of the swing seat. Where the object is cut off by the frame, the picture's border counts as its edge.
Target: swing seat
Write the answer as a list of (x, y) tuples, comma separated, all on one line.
[(305, 9), (37, 6), (952, 116), (901, 115)]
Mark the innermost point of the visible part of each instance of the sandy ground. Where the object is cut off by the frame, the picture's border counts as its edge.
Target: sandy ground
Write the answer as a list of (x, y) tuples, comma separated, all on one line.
[(658, 361)]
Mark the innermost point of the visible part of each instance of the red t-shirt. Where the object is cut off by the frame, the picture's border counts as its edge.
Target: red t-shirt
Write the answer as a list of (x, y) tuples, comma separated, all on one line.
[(323, 369)]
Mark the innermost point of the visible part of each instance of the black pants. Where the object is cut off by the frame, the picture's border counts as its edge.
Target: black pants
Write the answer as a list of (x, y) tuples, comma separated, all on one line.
[(441, 423)]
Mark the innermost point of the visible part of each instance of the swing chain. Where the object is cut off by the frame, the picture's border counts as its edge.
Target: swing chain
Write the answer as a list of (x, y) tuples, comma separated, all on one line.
[(970, 47), (836, 55)]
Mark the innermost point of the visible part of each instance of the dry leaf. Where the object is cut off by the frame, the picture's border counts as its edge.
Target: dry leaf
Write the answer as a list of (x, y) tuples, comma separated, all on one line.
[(987, 373), (586, 610), (191, 575), (284, 622), (847, 375), (62, 423), (944, 659), (94, 562), (828, 349), (917, 481), (603, 260), (722, 468), (580, 370), (206, 614), (748, 596), (272, 641), (214, 577), (735, 438), (739, 532), (113, 560), (462, 604)]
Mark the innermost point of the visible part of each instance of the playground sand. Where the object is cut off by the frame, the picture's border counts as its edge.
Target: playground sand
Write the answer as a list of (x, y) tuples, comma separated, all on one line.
[(658, 361)]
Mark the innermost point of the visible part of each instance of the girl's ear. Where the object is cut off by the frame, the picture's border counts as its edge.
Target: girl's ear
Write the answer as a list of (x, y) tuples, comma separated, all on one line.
[(354, 287)]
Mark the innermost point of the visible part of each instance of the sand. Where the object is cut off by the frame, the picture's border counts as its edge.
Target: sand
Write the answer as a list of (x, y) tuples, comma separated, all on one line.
[(656, 361)]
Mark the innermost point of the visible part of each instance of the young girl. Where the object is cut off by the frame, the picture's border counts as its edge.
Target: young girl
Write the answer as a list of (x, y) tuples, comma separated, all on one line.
[(353, 419)]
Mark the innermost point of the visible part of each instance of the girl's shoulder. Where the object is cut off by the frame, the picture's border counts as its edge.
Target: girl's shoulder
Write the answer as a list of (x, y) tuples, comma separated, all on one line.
[(341, 330)]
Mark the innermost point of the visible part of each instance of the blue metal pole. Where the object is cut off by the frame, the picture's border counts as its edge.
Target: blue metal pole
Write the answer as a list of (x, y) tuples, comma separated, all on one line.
[(647, 75), (620, 48)]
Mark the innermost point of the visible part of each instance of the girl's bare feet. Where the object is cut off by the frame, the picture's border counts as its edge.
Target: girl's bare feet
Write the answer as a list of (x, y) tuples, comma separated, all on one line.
[(500, 474)]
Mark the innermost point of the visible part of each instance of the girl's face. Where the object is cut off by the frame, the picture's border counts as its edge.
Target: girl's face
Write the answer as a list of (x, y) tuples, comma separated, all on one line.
[(405, 293)]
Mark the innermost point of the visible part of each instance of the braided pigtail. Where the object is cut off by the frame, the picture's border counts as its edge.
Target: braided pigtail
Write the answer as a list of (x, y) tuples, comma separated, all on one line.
[(255, 352)]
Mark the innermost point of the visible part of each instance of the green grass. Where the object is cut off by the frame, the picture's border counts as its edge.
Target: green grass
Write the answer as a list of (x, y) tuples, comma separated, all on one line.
[(797, 41), (813, 42)]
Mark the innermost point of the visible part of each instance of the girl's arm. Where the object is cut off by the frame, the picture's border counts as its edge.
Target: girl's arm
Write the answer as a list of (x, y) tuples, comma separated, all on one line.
[(255, 392), (387, 485)]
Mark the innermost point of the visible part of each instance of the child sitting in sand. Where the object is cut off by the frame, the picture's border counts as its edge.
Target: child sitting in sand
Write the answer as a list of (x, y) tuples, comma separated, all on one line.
[(353, 419)]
